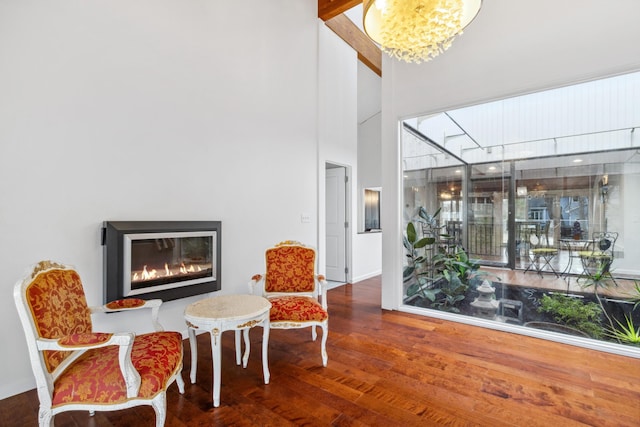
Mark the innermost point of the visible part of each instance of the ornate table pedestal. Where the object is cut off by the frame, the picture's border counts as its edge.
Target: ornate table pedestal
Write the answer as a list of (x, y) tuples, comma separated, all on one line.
[(223, 313)]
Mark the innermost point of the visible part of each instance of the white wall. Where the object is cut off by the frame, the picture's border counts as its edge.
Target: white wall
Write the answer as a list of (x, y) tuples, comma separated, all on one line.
[(340, 137), (337, 128), (367, 247), (152, 110), (511, 48)]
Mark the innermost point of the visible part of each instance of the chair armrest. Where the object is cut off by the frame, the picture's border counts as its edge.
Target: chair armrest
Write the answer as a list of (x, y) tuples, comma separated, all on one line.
[(84, 341), (254, 281), (123, 340), (128, 304), (322, 289)]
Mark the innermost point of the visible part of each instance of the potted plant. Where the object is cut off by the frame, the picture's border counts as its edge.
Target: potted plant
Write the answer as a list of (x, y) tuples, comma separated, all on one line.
[(577, 230)]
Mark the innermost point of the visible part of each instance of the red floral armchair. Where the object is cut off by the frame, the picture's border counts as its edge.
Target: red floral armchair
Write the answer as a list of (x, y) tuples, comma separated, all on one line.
[(78, 369), (298, 296)]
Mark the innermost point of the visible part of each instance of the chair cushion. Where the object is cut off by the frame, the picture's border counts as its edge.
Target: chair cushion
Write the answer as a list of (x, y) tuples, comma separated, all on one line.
[(296, 309), (546, 251), (590, 254), (95, 378)]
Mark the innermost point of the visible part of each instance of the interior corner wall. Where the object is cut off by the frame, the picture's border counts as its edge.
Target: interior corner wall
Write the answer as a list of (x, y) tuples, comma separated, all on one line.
[(147, 110)]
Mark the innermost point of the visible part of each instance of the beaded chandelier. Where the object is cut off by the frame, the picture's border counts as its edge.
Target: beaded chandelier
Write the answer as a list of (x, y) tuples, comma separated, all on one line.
[(417, 30)]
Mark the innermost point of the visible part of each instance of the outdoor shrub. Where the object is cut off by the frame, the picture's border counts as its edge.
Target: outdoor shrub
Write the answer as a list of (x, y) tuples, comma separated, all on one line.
[(573, 312)]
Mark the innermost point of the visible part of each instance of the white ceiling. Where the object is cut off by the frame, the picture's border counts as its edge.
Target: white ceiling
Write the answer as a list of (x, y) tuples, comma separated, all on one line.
[(517, 46), (546, 43)]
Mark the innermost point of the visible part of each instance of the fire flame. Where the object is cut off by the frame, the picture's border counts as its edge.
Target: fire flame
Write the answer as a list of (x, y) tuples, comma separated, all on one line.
[(145, 274)]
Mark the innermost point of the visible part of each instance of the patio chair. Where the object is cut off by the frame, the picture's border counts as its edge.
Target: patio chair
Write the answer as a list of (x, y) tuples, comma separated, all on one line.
[(540, 256), (600, 257), (78, 369)]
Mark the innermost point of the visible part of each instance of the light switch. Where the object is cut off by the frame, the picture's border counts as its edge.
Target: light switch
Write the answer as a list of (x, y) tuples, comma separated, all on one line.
[(305, 217)]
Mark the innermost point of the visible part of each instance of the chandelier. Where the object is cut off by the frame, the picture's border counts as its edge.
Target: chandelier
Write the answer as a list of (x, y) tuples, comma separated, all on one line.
[(417, 30)]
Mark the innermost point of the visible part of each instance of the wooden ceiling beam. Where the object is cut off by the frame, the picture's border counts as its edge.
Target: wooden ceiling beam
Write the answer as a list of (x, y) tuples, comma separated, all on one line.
[(368, 52), (328, 9)]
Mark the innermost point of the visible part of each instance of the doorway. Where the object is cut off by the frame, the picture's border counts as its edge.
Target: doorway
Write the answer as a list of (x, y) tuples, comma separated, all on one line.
[(336, 195)]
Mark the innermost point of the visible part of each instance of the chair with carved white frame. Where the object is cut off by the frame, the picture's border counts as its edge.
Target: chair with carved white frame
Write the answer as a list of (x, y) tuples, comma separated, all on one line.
[(78, 369), (298, 296)]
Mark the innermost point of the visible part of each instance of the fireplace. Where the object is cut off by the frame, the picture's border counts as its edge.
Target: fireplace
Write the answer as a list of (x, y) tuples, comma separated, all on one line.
[(161, 259)]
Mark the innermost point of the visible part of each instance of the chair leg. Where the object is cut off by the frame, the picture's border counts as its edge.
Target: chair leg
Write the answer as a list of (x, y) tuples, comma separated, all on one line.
[(323, 346), (314, 333), (45, 418), (180, 380), (533, 264), (159, 404)]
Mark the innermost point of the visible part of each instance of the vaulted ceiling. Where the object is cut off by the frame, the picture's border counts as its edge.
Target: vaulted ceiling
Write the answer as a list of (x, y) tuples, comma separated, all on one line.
[(332, 13)]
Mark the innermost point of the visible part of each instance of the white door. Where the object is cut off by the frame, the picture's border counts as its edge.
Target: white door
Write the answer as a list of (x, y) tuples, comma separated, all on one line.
[(336, 238)]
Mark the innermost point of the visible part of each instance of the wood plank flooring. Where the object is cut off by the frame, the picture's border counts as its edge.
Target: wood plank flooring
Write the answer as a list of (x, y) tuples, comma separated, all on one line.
[(389, 368)]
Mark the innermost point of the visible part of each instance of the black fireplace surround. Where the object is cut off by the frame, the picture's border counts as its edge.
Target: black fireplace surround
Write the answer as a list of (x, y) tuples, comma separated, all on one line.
[(161, 259)]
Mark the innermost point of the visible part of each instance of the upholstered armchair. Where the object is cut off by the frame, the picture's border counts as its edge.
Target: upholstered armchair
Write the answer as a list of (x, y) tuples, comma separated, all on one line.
[(78, 369), (298, 296)]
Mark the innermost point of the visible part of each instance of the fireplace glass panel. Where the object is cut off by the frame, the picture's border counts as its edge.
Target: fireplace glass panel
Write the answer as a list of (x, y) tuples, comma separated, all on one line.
[(160, 261)]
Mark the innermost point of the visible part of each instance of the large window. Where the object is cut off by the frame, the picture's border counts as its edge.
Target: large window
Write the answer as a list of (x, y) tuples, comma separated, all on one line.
[(544, 184)]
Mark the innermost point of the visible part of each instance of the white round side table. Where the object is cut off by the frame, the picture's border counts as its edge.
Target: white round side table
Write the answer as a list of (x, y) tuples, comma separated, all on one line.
[(223, 313)]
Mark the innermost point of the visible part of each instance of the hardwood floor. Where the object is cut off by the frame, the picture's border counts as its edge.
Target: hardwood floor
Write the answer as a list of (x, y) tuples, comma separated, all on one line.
[(389, 368)]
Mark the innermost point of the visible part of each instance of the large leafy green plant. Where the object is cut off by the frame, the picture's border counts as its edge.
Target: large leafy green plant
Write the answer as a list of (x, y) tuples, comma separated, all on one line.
[(444, 276), (455, 272), (452, 291), (418, 270), (456, 263)]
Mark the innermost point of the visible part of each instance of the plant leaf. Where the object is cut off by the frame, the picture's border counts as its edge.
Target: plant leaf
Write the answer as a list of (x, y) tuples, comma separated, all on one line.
[(408, 271), (424, 242), (411, 233)]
